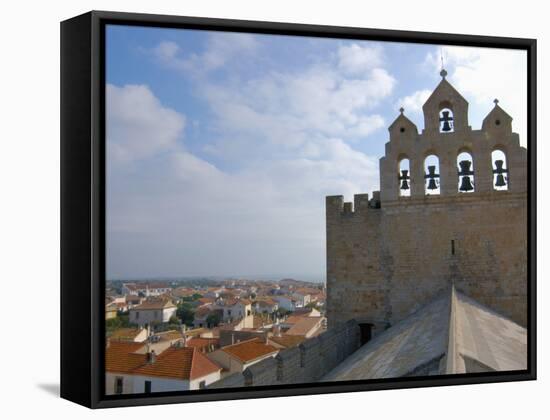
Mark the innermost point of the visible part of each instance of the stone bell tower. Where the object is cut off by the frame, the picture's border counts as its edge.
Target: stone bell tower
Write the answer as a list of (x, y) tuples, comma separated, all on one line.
[(452, 209)]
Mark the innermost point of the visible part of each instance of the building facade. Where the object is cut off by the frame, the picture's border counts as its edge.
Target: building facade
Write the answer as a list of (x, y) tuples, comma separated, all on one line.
[(448, 213)]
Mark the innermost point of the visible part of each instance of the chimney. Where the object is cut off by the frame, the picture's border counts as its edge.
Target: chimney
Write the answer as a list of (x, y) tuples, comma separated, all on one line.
[(151, 357)]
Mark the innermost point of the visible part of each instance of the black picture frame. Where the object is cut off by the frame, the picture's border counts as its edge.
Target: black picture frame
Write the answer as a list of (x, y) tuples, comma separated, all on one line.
[(83, 206)]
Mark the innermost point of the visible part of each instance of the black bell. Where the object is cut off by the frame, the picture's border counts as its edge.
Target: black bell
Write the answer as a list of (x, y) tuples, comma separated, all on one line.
[(404, 177), (432, 185), (466, 184), (500, 182), (446, 119)]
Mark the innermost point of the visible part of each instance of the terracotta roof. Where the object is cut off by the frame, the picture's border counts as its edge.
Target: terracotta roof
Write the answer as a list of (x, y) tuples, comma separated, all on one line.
[(174, 362), (249, 350), (178, 363), (155, 304), (204, 300), (288, 340), (125, 334), (202, 312), (294, 319), (305, 325), (200, 342), (234, 301), (120, 356)]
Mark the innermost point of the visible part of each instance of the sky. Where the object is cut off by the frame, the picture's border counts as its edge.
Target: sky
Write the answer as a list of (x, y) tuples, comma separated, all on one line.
[(221, 147)]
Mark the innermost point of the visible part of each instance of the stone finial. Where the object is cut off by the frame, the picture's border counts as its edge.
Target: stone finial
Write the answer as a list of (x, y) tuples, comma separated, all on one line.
[(401, 110), (443, 73), (496, 102)]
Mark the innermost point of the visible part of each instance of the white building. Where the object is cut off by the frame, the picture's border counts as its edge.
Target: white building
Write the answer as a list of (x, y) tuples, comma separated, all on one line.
[(234, 309), (152, 312), (129, 370), (146, 288)]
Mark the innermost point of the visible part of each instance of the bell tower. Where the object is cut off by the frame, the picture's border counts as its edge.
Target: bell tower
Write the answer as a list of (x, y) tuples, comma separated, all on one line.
[(446, 110), (452, 209)]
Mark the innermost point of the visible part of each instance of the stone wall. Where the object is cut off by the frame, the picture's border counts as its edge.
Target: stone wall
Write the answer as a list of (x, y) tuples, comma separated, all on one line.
[(389, 256), (305, 363)]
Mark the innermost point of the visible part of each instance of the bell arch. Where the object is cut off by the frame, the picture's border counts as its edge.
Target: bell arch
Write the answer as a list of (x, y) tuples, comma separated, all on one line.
[(432, 184), (465, 171), (446, 117), (404, 176), (499, 170)]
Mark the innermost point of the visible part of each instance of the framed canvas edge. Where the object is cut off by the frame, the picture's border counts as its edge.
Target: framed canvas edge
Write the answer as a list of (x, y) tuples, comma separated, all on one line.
[(95, 388)]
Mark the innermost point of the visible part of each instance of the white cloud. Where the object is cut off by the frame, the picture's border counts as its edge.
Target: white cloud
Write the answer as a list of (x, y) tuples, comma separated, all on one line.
[(483, 74), (138, 125), (414, 102), (356, 59), (222, 47), (285, 141)]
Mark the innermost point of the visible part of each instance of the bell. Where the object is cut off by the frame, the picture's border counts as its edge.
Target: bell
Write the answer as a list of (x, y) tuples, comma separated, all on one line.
[(500, 181), (404, 177), (466, 184), (445, 119), (432, 184)]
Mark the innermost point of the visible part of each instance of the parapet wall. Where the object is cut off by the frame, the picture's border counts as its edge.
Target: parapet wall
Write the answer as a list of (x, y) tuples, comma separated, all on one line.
[(305, 363)]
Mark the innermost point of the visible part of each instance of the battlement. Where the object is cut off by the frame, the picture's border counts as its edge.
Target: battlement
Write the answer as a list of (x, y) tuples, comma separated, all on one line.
[(335, 204), (306, 363)]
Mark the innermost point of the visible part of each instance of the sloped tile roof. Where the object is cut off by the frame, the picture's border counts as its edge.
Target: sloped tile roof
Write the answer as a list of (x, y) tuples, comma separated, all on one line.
[(249, 350), (185, 363)]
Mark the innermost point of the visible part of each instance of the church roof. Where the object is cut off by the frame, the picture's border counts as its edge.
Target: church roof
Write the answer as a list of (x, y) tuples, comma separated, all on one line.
[(452, 334)]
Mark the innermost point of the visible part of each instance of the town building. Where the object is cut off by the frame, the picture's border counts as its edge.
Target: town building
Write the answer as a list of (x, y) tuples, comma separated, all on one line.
[(152, 311), (130, 370), (237, 357)]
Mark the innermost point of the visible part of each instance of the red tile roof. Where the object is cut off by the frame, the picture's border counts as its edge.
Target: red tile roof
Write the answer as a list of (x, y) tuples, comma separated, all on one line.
[(120, 356), (155, 304), (305, 325), (249, 350), (175, 362), (288, 340)]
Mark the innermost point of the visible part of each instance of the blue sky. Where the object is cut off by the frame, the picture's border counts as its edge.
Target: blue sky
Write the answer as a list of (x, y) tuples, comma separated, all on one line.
[(222, 146)]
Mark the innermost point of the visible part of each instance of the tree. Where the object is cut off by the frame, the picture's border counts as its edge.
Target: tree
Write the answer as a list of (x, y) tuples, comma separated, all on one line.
[(121, 321), (213, 319), (185, 313)]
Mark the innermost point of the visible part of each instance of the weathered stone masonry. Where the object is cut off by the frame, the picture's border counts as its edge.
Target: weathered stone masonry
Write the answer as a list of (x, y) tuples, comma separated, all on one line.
[(390, 255), (305, 363)]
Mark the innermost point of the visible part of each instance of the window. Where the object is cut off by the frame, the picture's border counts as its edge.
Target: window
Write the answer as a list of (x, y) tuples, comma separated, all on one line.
[(404, 178), (465, 167), (119, 382), (137, 314), (446, 121), (147, 388), (500, 170), (431, 175), (202, 384)]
